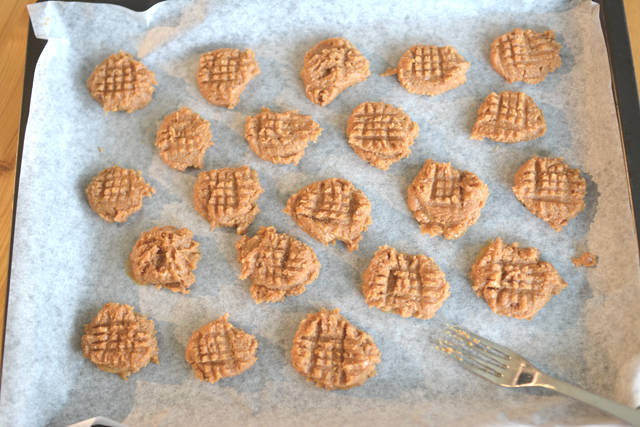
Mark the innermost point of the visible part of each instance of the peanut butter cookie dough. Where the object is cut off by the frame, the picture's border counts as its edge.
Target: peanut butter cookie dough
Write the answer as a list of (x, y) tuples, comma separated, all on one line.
[(330, 67), (381, 134), (446, 201), (119, 340), (224, 74), (281, 137), (408, 285), (513, 280), (279, 265), (228, 197), (116, 193), (183, 139), (525, 55), (165, 257), (220, 350), (120, 83), (331, 352), (430, 70), (551, 190), (586, 260), (331, 210), (509, 117)]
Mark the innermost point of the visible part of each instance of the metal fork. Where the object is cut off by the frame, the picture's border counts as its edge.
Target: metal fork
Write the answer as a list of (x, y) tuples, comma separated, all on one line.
[(504, 367)]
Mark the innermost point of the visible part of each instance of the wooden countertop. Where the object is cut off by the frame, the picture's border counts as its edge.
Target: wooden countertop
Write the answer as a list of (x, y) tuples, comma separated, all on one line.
[(14, 22)]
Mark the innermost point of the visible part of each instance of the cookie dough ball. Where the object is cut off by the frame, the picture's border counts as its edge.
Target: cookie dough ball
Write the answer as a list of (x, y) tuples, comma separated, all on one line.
[(330, 67), (220, 350), (525, 55), (119, 340), (430, 70), (333, 353), (446, 201), (551, 190), (165, 257), (509, 117), (224, 74), (513, 280), (183, 139), (331, 210), (120, 83), (279, 265), (408, 285), (281, 137), (115, 193), (381, 134), (228, 197)]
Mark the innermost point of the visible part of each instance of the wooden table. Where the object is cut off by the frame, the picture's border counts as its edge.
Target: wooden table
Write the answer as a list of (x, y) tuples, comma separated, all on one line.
[(14, 21)]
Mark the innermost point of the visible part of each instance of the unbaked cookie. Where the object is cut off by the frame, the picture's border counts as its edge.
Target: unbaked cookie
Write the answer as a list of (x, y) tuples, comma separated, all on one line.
[(331, 210), (330, 67), (220, 350), (281, 137), (119, 340), (513, 280), (120, 83), (183, 138), (408, 285), (165, 257), (551, 190), (228, 197), (446, 201), (525, 55), (279, 265), (224, 73), (430, 70), (381, 134), (116, 193), (331, 352), (509, 117)]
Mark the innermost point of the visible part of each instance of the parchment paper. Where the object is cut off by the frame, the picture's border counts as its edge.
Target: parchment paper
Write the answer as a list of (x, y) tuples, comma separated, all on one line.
[(68, 262)]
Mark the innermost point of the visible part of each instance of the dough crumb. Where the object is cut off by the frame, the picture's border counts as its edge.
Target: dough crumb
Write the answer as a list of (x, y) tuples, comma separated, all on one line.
[(586, 260)]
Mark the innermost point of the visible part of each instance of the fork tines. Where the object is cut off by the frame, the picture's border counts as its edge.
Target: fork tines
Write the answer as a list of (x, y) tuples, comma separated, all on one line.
[(480, 356)]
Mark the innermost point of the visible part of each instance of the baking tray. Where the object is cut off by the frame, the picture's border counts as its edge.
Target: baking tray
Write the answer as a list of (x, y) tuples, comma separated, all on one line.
[(624, 86)]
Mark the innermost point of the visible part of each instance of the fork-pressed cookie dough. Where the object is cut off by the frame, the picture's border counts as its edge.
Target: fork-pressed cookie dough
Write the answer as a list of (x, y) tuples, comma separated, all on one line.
[(119, 340), (408, 285), (525, 55), (228, 197), (331, 210), (223, 75), (116, 193), (120, 83), (430, 70), (333, 353), (280, 138), (220, 350), (509, 117), (551, 190), (183, 139), (381, 134), (165, 257), (446, 201), (513, 280), (330, 67), (277, 264)]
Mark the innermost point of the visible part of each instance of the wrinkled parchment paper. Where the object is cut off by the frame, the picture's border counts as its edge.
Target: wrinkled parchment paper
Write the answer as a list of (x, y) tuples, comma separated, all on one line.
[(67, 262)]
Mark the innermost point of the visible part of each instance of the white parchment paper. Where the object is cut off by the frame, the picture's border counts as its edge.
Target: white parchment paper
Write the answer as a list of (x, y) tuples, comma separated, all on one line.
[(68, 262)]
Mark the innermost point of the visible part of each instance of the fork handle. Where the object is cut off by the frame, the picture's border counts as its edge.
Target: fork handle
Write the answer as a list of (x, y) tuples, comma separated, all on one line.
[(618, 410)]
